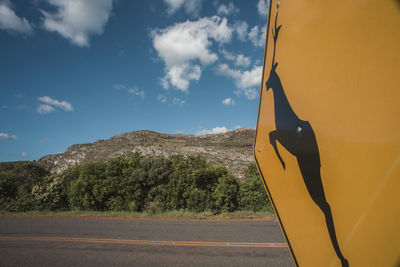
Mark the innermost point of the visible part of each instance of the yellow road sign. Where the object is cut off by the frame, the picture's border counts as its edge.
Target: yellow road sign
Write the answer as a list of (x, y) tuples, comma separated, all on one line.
[(328, 131)]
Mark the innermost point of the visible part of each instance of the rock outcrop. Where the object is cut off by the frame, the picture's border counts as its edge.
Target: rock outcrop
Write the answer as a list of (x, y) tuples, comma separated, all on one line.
[(232, 149)]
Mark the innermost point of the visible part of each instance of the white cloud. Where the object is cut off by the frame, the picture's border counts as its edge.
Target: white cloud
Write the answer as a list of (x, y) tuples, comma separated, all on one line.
[(76, 20), (215, 130), (11, 22), (228, 102), (242, 60), (184, 45), (262, 8), (245, 81), (253, 35), (162, 98), (173, 5), (228, 55), (45, 109), (227, 10), (241, 30), (257, 37), (49, 105), (191, 40), (164, 82), (238, 60), (180, 75), (8, 136), (50, 102), (24, 154), (192, 7), (250, 93)]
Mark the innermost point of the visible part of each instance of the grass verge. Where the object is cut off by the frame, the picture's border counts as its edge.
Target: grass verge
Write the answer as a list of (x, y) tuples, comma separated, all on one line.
[(178, 214)]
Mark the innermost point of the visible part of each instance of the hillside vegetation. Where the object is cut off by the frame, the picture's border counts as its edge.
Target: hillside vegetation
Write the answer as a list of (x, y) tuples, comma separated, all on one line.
[(232, 149), (134, 183)]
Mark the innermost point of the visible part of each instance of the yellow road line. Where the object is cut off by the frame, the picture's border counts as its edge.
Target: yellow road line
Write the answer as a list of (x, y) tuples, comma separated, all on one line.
[(146, 242)]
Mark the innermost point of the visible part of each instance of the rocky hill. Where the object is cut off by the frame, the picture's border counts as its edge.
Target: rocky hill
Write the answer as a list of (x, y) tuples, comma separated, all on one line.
[(232, 149)]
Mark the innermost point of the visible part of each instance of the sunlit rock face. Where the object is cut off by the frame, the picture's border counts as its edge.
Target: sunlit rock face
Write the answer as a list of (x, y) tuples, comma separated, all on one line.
[(232, 149)]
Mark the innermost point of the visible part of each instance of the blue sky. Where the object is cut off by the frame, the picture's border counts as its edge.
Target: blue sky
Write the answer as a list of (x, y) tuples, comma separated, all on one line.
[(77, 71)]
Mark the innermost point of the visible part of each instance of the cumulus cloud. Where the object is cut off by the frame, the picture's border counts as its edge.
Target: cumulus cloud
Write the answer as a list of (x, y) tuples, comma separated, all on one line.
[(76, 20), (228, 102), (185, 48), (245, 81), (49, 105), (45, 109), (191, 7), (54, 102), (227, 10), (242, 60), (238, 60), (8, 136), (241, 30), (257, 37), (180, 75), (215, 130), (173, 5), (262, 8), (250, 93), (9, 21), (228, 55)]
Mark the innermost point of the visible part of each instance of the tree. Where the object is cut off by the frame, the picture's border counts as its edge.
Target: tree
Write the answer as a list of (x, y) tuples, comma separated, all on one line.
[(49, 194), (252, 195), (225, 194), (16, 182), (89, 190)]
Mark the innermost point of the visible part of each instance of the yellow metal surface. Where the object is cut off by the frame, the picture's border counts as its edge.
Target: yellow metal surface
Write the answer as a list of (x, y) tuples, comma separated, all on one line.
[(339, 66)]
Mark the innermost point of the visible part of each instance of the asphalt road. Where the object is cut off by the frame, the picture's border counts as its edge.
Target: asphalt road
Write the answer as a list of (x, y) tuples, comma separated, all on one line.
[(122, 242)]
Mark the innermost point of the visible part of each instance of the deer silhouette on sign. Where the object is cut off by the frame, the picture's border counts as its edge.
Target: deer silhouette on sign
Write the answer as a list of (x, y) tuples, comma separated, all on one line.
[(298, 138)]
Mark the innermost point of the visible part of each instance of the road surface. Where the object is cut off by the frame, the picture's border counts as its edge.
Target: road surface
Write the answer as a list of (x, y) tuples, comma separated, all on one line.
[(73, 241)]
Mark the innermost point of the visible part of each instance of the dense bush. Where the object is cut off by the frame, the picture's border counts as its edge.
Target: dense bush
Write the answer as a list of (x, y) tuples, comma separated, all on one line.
[(252, 194), (16, 183), (226, 193), (49, 194), (137, 183)]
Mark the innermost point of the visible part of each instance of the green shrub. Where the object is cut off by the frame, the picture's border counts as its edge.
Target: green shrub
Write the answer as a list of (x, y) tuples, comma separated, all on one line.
[(225, 194), (138, 183), (49, 194), (16, 182), (252, 195), (89, 190)]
